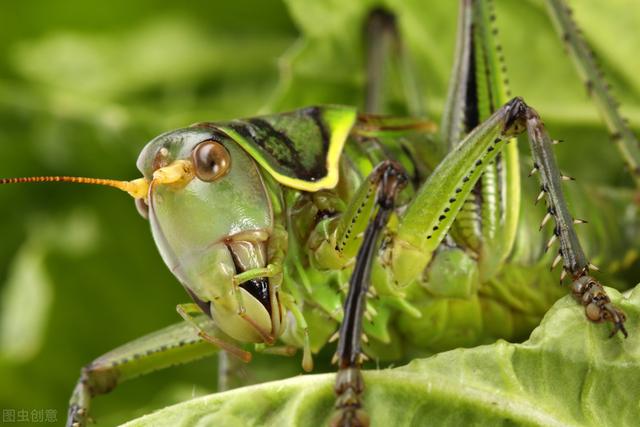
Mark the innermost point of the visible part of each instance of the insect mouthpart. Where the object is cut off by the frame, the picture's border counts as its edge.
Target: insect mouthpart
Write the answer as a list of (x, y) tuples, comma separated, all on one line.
[(248, 252), (259, 288)]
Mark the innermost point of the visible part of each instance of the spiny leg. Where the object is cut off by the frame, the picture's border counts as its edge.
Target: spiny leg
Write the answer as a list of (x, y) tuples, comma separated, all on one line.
[(585, 288), (390, 179), (386, 54), (174, 345), (486, 223), (597, 87), (438, 202)]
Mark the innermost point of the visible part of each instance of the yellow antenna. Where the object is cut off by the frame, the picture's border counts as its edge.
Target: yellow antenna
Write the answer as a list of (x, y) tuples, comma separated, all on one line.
[(137, 188)]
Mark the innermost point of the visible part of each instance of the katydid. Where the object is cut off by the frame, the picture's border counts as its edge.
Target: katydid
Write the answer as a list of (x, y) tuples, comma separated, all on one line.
[(264, 220)]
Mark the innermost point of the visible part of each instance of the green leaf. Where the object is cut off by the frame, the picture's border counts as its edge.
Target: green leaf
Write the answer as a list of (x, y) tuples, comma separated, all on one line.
[(567, 373)]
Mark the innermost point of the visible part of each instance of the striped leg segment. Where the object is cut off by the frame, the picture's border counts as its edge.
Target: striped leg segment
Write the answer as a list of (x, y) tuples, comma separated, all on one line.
[(349, 385), (487, 223)]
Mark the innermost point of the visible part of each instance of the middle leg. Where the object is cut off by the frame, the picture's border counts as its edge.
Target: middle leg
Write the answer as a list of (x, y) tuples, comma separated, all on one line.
[(389, 179)]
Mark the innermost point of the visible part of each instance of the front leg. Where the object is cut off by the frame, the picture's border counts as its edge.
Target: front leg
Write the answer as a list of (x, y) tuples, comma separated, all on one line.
[(389, 179), (174, 345)]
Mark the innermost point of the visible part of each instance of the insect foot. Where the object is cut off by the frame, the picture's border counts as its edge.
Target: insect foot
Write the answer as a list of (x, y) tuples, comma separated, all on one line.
[(77, 416), (349, 412), (598, 307)]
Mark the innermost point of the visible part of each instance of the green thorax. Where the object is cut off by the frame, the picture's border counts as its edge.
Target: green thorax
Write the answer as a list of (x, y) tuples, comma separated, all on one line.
[(300, 149)]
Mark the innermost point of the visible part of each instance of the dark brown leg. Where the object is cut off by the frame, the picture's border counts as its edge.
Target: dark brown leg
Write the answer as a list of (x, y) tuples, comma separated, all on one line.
[(390, 179)]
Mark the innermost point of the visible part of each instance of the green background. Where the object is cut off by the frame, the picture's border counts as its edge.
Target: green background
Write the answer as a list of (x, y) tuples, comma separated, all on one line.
[(84, 85)]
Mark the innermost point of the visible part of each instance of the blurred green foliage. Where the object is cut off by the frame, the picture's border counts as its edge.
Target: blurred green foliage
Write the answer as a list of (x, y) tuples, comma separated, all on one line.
[(84, 85)]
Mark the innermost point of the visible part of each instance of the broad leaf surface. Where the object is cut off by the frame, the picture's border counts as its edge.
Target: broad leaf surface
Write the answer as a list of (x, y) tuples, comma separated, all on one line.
[(567, 374)]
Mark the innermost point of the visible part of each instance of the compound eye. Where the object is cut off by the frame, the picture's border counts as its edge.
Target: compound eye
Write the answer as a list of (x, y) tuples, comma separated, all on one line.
[(211, 161)]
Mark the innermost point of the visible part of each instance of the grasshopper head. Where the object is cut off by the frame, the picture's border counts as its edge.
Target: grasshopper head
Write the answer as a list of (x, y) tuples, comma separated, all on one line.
[(211, 218)]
